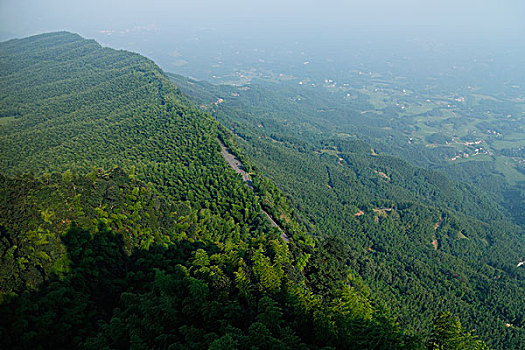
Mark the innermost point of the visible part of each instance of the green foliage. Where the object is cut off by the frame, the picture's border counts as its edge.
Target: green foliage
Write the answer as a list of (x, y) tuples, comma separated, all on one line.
[(422, 242), (448, 334), (172, 252)]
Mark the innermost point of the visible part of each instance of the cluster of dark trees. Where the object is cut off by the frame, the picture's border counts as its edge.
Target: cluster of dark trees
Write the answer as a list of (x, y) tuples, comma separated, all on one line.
[(117, 266)]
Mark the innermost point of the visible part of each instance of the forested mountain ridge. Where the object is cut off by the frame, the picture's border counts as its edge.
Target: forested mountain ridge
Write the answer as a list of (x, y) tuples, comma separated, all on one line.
[(135, 233), (423, 242), (62, 98)]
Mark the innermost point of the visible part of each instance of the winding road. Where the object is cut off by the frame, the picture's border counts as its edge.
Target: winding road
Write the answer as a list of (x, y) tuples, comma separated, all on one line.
[(236, 165)]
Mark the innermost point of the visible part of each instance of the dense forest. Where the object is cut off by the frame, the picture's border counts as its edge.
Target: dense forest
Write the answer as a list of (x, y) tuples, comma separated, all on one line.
[(423, 243), (472, 134), (121, 226)]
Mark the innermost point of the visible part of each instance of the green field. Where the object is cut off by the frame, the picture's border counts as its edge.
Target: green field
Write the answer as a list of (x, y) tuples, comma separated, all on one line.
[(6, 120)]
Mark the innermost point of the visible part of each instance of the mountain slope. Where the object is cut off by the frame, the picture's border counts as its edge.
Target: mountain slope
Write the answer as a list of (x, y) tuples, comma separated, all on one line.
[(423, 242), (134, 232)]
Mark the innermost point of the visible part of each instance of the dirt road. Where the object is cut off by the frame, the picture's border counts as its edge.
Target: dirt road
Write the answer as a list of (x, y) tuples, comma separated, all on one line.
[(236, 165)]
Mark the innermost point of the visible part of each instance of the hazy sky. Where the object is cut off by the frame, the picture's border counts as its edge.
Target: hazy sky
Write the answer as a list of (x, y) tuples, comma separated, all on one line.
[(504, 18), (188, 36)]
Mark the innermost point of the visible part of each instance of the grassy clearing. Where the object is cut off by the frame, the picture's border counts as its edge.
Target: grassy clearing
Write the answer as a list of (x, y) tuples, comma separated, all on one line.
[(6, 120), (502, 144), (480, 97), (507, 167)]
